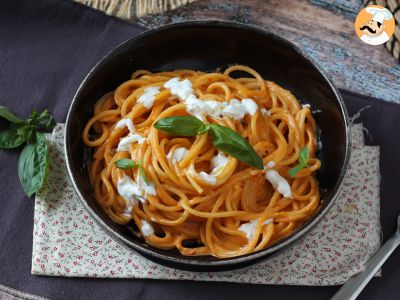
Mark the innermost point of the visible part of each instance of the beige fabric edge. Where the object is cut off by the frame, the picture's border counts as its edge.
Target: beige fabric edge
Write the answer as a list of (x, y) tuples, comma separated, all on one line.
[(126, 9)]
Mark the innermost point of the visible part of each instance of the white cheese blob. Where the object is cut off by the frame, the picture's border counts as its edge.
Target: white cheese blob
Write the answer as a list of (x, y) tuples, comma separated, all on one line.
[(210, 179), (129, 190), (250, 106), (132, 191), (270, 165), (249, 228), (126, 122), (128, 210), (182, 89), (278, 182), (265, 112), (195, 107), (218, 163), (146, 189), (124, 143), (147, 229), (177, 155), (234, 110), (148, 96)]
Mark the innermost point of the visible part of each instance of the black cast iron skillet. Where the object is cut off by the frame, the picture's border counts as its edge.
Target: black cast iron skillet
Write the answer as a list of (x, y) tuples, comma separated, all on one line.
[(206, 46)]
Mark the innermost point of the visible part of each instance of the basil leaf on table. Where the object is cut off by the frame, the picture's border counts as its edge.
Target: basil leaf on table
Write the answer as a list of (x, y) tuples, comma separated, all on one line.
[(230, 142), (10, 139), (43, 120), (7, 114), (33, 165), (181, 125)]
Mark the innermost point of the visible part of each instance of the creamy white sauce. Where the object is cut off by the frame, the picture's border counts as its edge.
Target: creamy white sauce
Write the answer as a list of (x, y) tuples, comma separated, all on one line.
[(133, 192), (177, 155), (201, 108), (265, 112), (128, 210), (306, 106), (148, 96), (270, 165), (249, 228), (218, 163), (208, 178), (146, 189), (182, 89), (125, 142), (129, 190), (147, 229), (126, 122), (278, 182)]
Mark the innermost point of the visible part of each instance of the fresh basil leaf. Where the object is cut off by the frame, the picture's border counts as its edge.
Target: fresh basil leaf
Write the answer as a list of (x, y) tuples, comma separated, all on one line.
[(11, 139), (33, 165), (43, 120), (7, 114), (304, 155), (143, 175), (230, 142), (293, 171), (125, 163), (181, 125)]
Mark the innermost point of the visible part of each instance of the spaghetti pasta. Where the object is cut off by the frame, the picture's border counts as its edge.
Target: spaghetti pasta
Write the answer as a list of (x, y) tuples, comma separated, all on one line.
[(200, 200)]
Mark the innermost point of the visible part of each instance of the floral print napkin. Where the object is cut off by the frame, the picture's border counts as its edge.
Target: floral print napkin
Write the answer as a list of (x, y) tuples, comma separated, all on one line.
[(68, 242)]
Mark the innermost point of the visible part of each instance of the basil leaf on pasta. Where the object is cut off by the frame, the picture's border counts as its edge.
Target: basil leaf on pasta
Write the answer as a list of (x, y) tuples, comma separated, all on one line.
[(144, 175), (293, 171), (304, 155), (125, 163), (33, 165), (230, 142), (7, 114), (181, 125)]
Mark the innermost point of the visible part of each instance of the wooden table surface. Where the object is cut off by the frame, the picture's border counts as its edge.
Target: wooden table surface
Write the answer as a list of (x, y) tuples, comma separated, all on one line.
[(322, 28)]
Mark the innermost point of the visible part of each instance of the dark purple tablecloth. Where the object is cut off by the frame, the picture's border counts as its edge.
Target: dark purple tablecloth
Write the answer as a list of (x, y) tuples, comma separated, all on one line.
[(46, 48)]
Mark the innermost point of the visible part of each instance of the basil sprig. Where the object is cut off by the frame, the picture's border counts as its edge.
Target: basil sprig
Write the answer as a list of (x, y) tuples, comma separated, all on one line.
[(304, 156), (34, 159), (223, 138), (126, 163)]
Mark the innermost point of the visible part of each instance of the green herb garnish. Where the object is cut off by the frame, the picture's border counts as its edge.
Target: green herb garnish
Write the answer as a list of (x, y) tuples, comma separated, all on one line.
[(223, 138), (182, 125), (33, 162), (304, 156), (126, 163)]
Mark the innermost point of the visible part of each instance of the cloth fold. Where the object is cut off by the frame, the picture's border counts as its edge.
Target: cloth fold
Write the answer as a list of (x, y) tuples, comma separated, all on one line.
[(68, 242)]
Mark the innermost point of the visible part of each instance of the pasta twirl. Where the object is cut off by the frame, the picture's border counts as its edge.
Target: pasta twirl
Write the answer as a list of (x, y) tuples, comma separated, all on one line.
[(199, 200)]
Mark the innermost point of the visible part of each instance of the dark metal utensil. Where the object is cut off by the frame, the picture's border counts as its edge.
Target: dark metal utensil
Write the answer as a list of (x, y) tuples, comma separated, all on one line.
[(353, 287)]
